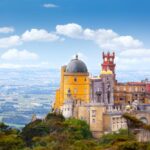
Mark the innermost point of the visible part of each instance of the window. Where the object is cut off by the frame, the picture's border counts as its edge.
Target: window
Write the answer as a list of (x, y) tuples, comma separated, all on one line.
[(85, 91), (85, 79), (81, 118), (75, 90), (93, 120), (142, 90), (93, 113), (121, 98), (124, 89), (113, 120), (117, 120), (118, 89), (75, 79), (136, 89), (132, 89)]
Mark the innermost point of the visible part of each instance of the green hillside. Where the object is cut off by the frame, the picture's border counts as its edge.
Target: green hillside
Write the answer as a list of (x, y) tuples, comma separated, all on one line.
[(56, 133)]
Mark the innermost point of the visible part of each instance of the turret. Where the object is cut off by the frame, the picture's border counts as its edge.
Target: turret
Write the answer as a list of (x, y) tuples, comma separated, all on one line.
[(108, 62)]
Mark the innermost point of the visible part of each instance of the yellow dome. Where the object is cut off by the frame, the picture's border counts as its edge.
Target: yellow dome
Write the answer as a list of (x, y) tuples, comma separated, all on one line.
[(103, 72), (106, 72), (109, 72), (128, 107)]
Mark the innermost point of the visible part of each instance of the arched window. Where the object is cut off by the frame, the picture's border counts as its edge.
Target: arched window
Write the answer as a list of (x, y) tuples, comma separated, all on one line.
[(142, 90), (75, 79), (75, 90), (108, 96), (144, 120), (98, 95)]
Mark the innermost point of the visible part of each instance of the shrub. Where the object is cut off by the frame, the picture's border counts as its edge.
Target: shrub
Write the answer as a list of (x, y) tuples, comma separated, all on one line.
[(78, 128), (113, 138)]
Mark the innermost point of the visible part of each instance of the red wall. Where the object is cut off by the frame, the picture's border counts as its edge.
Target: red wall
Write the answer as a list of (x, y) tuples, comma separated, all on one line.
[(148, 87)]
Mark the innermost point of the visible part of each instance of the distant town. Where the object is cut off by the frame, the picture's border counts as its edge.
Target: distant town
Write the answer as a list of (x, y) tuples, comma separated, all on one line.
[(25, 92)]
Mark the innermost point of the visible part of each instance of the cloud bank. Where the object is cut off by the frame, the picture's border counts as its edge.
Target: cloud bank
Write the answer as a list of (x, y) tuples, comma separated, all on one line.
[(39, 35), (131, 53), (21, 55), (106, 39)]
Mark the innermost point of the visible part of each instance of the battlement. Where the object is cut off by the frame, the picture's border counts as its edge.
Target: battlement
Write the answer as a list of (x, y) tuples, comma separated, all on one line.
[(108, 55), (114, 109), (108, 62)]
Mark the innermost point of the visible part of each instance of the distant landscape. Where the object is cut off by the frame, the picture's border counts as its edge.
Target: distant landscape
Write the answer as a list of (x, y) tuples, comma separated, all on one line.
[(24, 92)]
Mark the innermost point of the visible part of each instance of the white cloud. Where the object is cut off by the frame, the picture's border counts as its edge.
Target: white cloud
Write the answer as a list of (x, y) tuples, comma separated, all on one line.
[(10, 41), (21, 55), (25, 65), (49, 5), (71, 30), (39, 35), (138, 53), (133, 60), (29, 35), (107, 39), (6, 29)]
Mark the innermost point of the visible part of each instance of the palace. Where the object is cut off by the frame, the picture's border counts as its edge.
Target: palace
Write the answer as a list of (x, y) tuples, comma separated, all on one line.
[(101, 100)]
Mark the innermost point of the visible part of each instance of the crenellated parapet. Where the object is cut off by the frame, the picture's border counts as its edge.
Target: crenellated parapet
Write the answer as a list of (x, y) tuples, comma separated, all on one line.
[(108, 62)]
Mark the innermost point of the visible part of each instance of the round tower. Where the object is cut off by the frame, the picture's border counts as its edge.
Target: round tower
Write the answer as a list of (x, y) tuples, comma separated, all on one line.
[(76, 80)]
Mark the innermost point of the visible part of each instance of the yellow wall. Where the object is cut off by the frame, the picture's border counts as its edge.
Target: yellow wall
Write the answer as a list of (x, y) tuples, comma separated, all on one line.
[(63, 68), (57, 99), (80, 89)]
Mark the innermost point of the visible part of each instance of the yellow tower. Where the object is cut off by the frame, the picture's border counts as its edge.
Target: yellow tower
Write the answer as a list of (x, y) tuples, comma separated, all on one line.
[(74, 81)]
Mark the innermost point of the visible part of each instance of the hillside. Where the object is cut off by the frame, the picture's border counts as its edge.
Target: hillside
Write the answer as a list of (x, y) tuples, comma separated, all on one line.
[(56, 133)]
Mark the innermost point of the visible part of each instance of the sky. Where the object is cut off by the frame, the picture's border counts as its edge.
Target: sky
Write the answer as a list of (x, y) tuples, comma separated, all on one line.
[(48, 33)]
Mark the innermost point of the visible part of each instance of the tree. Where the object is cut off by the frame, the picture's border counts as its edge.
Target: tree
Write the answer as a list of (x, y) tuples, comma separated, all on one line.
[(133, 122), (3, 127), (112, 138), (39, 128), (78, 128), (9, 138)]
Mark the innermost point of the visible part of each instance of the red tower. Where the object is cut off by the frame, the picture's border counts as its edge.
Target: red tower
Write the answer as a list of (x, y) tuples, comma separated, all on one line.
[(108, 62)]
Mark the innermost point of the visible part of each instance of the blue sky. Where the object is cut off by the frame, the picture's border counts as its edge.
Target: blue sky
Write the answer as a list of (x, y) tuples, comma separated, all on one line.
[(47, 33)]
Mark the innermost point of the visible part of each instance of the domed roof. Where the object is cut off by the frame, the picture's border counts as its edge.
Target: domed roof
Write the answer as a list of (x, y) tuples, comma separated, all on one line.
[(76, 66), (106, 72)]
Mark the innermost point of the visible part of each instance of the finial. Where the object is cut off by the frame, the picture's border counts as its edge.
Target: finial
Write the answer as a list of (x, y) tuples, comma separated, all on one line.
[(76, 56), (113, 54)]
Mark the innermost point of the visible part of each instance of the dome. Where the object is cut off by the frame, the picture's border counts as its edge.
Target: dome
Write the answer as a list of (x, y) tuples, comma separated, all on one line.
[(109, 72), (106, 72), (76, 66), (103, 72)]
